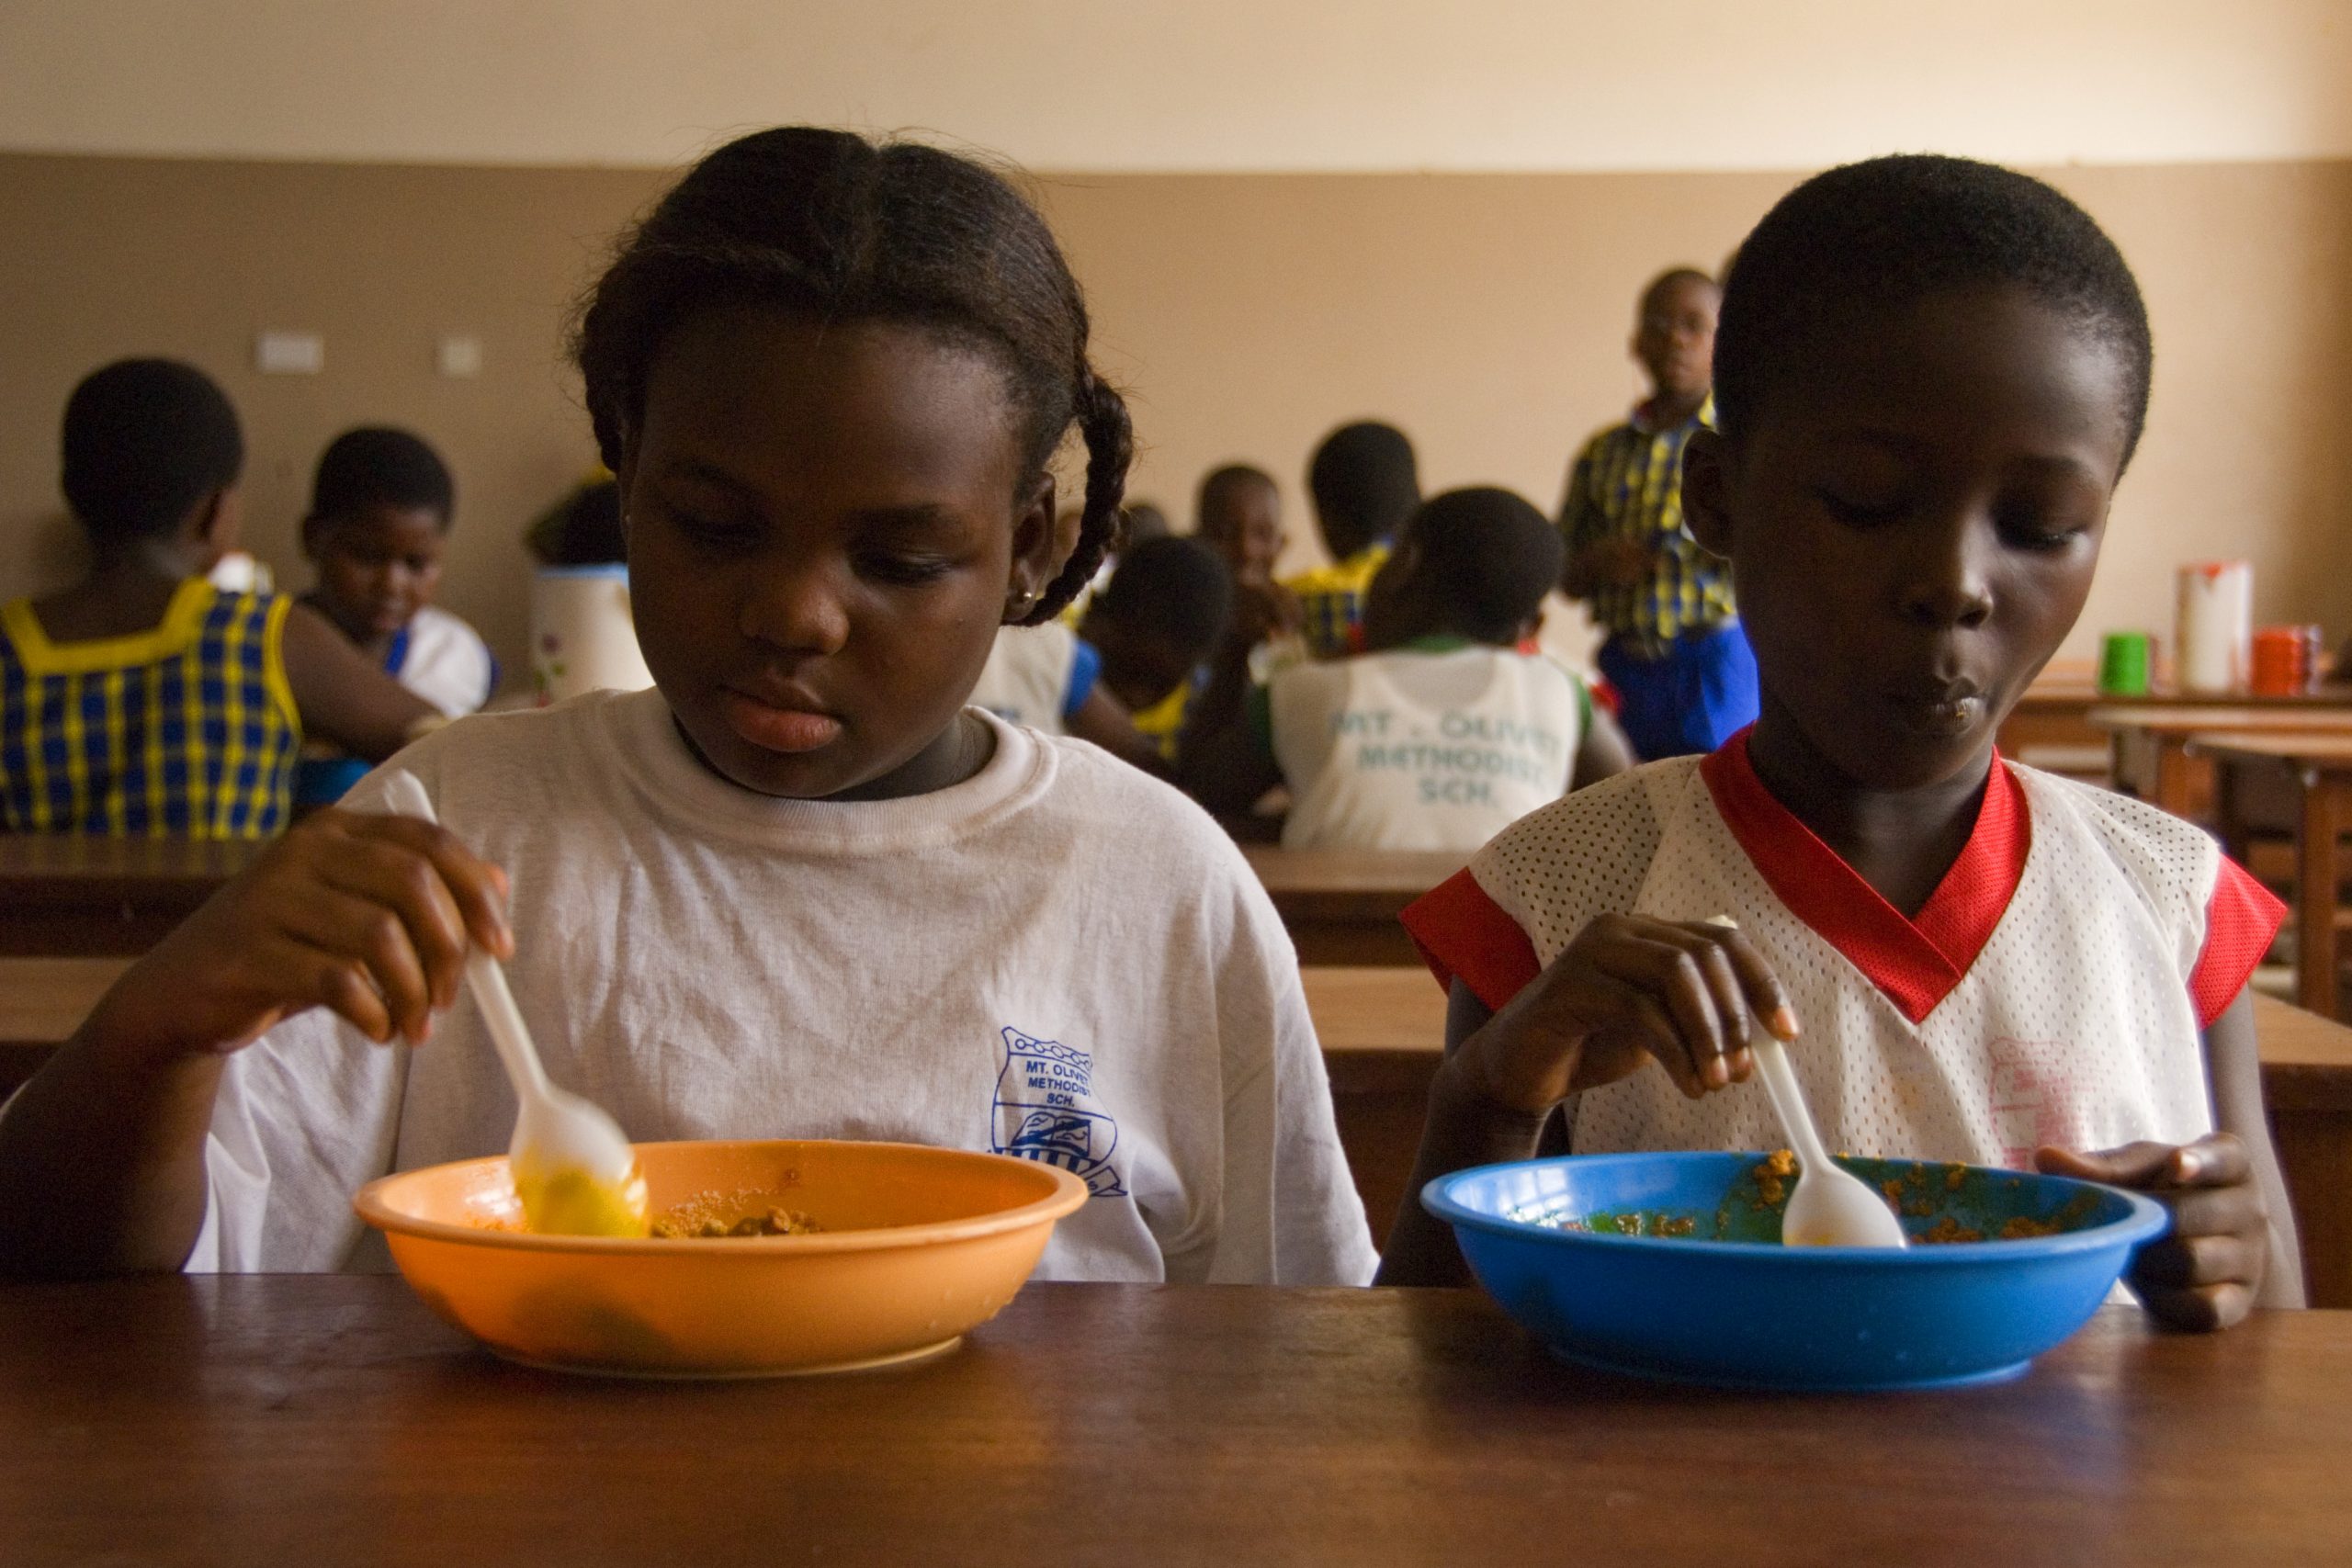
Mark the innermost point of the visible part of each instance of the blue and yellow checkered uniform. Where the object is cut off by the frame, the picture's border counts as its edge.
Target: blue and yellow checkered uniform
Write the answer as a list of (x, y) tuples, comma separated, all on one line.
[(1627, 483), (1332, 596), (186, 732)]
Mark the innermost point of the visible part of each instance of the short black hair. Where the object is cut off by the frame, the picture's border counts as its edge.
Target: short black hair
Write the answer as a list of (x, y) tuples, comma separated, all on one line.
[(377, 466), (846, 229), (1175, 590), (582, 529), (1672, 276), (1365, 483), (1483, 559), (1898, 229), (144, 441), (1224, 482)]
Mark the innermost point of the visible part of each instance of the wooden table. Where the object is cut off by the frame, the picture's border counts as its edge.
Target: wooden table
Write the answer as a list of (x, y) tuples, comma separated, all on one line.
[(1383, 1029), (2180, 784), (334, 1418), (67, 895), (1340, 905), (2321, 764)]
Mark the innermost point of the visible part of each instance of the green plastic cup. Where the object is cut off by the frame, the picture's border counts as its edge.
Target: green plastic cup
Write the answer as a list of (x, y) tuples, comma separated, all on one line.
[(2124, 661)]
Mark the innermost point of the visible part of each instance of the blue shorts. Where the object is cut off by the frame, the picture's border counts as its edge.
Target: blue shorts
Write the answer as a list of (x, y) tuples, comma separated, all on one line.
[(1700, 693)]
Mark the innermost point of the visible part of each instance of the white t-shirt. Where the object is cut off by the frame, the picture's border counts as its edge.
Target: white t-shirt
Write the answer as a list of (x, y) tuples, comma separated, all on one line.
[(1415, 749), (1061, 958), (2052, 990), (446, 663), (1027, 677)]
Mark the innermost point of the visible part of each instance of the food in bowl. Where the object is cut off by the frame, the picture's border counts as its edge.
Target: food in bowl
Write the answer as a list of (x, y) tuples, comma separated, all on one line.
[(916, 1246), (1727, 1304), (1939, 1205), (708, 1217)]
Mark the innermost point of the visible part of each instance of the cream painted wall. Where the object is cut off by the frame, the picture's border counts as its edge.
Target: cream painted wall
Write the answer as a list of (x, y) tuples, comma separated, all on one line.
[(1487, 314), (1191, 84)]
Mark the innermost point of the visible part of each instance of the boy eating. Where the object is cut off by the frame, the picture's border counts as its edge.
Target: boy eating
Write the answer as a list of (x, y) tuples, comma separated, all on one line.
[(1931, 375)]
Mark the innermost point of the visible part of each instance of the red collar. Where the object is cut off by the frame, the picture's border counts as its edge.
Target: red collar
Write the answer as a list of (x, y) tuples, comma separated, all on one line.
[(1915, 961)]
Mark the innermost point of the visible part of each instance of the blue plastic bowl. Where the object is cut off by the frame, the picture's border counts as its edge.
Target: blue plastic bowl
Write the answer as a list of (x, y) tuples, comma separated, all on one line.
[(1726, 1304)]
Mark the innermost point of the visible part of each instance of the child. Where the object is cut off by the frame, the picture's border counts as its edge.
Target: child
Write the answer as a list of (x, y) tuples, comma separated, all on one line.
[(1674, 652), (1364, 484), (1164, 613), (1931, 373), (381, 505), (1442, 733), (1049, 678), (143, 700), (1240, 517), (797, 887)]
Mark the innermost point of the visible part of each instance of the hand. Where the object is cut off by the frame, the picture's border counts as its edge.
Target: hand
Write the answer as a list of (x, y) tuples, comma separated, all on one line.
[(1623, 561), (366, 916), (1629, 989), (1263, 611), (2205, 1272)]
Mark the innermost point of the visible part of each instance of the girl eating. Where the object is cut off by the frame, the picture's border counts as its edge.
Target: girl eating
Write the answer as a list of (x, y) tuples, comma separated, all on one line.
[(798, 888), (1929, 375)]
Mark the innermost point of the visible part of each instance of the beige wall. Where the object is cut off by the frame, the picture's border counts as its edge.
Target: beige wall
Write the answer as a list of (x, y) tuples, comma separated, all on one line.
[(1487, 314), (1191, 85)]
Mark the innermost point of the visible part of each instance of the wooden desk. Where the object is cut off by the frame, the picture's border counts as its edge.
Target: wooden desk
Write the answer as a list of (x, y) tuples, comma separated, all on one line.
[(2183, 784), (334, 1417), (66, 895), (2321, 766), (1340, 905), (1383, 1029)]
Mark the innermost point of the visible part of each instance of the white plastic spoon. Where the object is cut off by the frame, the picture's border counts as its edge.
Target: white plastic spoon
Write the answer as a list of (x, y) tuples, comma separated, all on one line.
[(1829, 1206), (574, 1167)]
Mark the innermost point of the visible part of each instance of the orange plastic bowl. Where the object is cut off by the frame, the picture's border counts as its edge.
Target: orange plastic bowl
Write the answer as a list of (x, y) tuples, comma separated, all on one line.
[(918, 1245)]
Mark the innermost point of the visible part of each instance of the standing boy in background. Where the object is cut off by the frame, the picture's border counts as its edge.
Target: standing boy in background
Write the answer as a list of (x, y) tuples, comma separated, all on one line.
[(1365, 485), (381, 507), (143, 700), (1675, 652)]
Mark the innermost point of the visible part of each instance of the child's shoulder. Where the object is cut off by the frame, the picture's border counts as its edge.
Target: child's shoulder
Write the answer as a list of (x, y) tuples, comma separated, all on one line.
[(1591, 842), (1095, 792), (2156, 851)]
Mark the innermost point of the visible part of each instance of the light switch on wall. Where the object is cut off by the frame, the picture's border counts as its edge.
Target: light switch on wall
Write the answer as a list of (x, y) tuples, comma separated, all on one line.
[(289, 354), (458, 355)]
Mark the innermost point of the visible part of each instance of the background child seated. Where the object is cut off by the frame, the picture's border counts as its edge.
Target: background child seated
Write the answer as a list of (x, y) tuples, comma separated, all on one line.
[(1155, 624), (1049, 678), (799, 883), (1365, 483), (154, 703), (1240, 517), (1442, 733), (1931, 375), (381, 507)]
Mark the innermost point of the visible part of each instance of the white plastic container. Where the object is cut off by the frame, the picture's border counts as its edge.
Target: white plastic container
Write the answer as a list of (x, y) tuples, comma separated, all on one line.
[(2213, 645), (583, 638)]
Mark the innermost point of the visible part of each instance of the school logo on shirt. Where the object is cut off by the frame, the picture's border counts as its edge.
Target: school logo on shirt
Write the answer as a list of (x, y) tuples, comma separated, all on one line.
[(2031, 1097), (1046, 1110)]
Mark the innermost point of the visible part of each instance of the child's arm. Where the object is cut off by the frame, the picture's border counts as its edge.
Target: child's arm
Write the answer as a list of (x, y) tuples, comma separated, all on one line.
[(1628, 989), (1101, 720), (1222, 761), (102, 1152), (343, 696), (1602, 752), (2232, 1245)]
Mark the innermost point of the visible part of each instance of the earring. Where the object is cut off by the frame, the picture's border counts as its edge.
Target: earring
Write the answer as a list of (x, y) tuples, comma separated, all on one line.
[(1022, 599)]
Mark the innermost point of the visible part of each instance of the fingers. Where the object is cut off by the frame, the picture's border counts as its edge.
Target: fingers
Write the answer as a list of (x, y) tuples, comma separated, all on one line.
[(475, 888), (1709, 981), (2187, 1261), (2201, 1311), (2218, 1159)]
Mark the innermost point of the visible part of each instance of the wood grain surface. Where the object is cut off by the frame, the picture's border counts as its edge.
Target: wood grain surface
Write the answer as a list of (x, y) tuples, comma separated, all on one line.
[(333, 1419)]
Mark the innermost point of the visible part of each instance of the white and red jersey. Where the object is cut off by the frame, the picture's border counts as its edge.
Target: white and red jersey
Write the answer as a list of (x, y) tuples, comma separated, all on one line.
[(2054, 989)]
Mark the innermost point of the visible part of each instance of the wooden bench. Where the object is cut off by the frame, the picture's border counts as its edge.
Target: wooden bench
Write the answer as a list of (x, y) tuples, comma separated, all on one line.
[(1340, 905)]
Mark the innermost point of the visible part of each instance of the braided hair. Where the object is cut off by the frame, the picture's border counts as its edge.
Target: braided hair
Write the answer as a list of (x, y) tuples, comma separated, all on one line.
[(846, 229)]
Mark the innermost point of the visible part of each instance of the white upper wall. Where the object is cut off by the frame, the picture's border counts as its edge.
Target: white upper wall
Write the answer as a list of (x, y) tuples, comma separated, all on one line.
[(1125, 85)]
